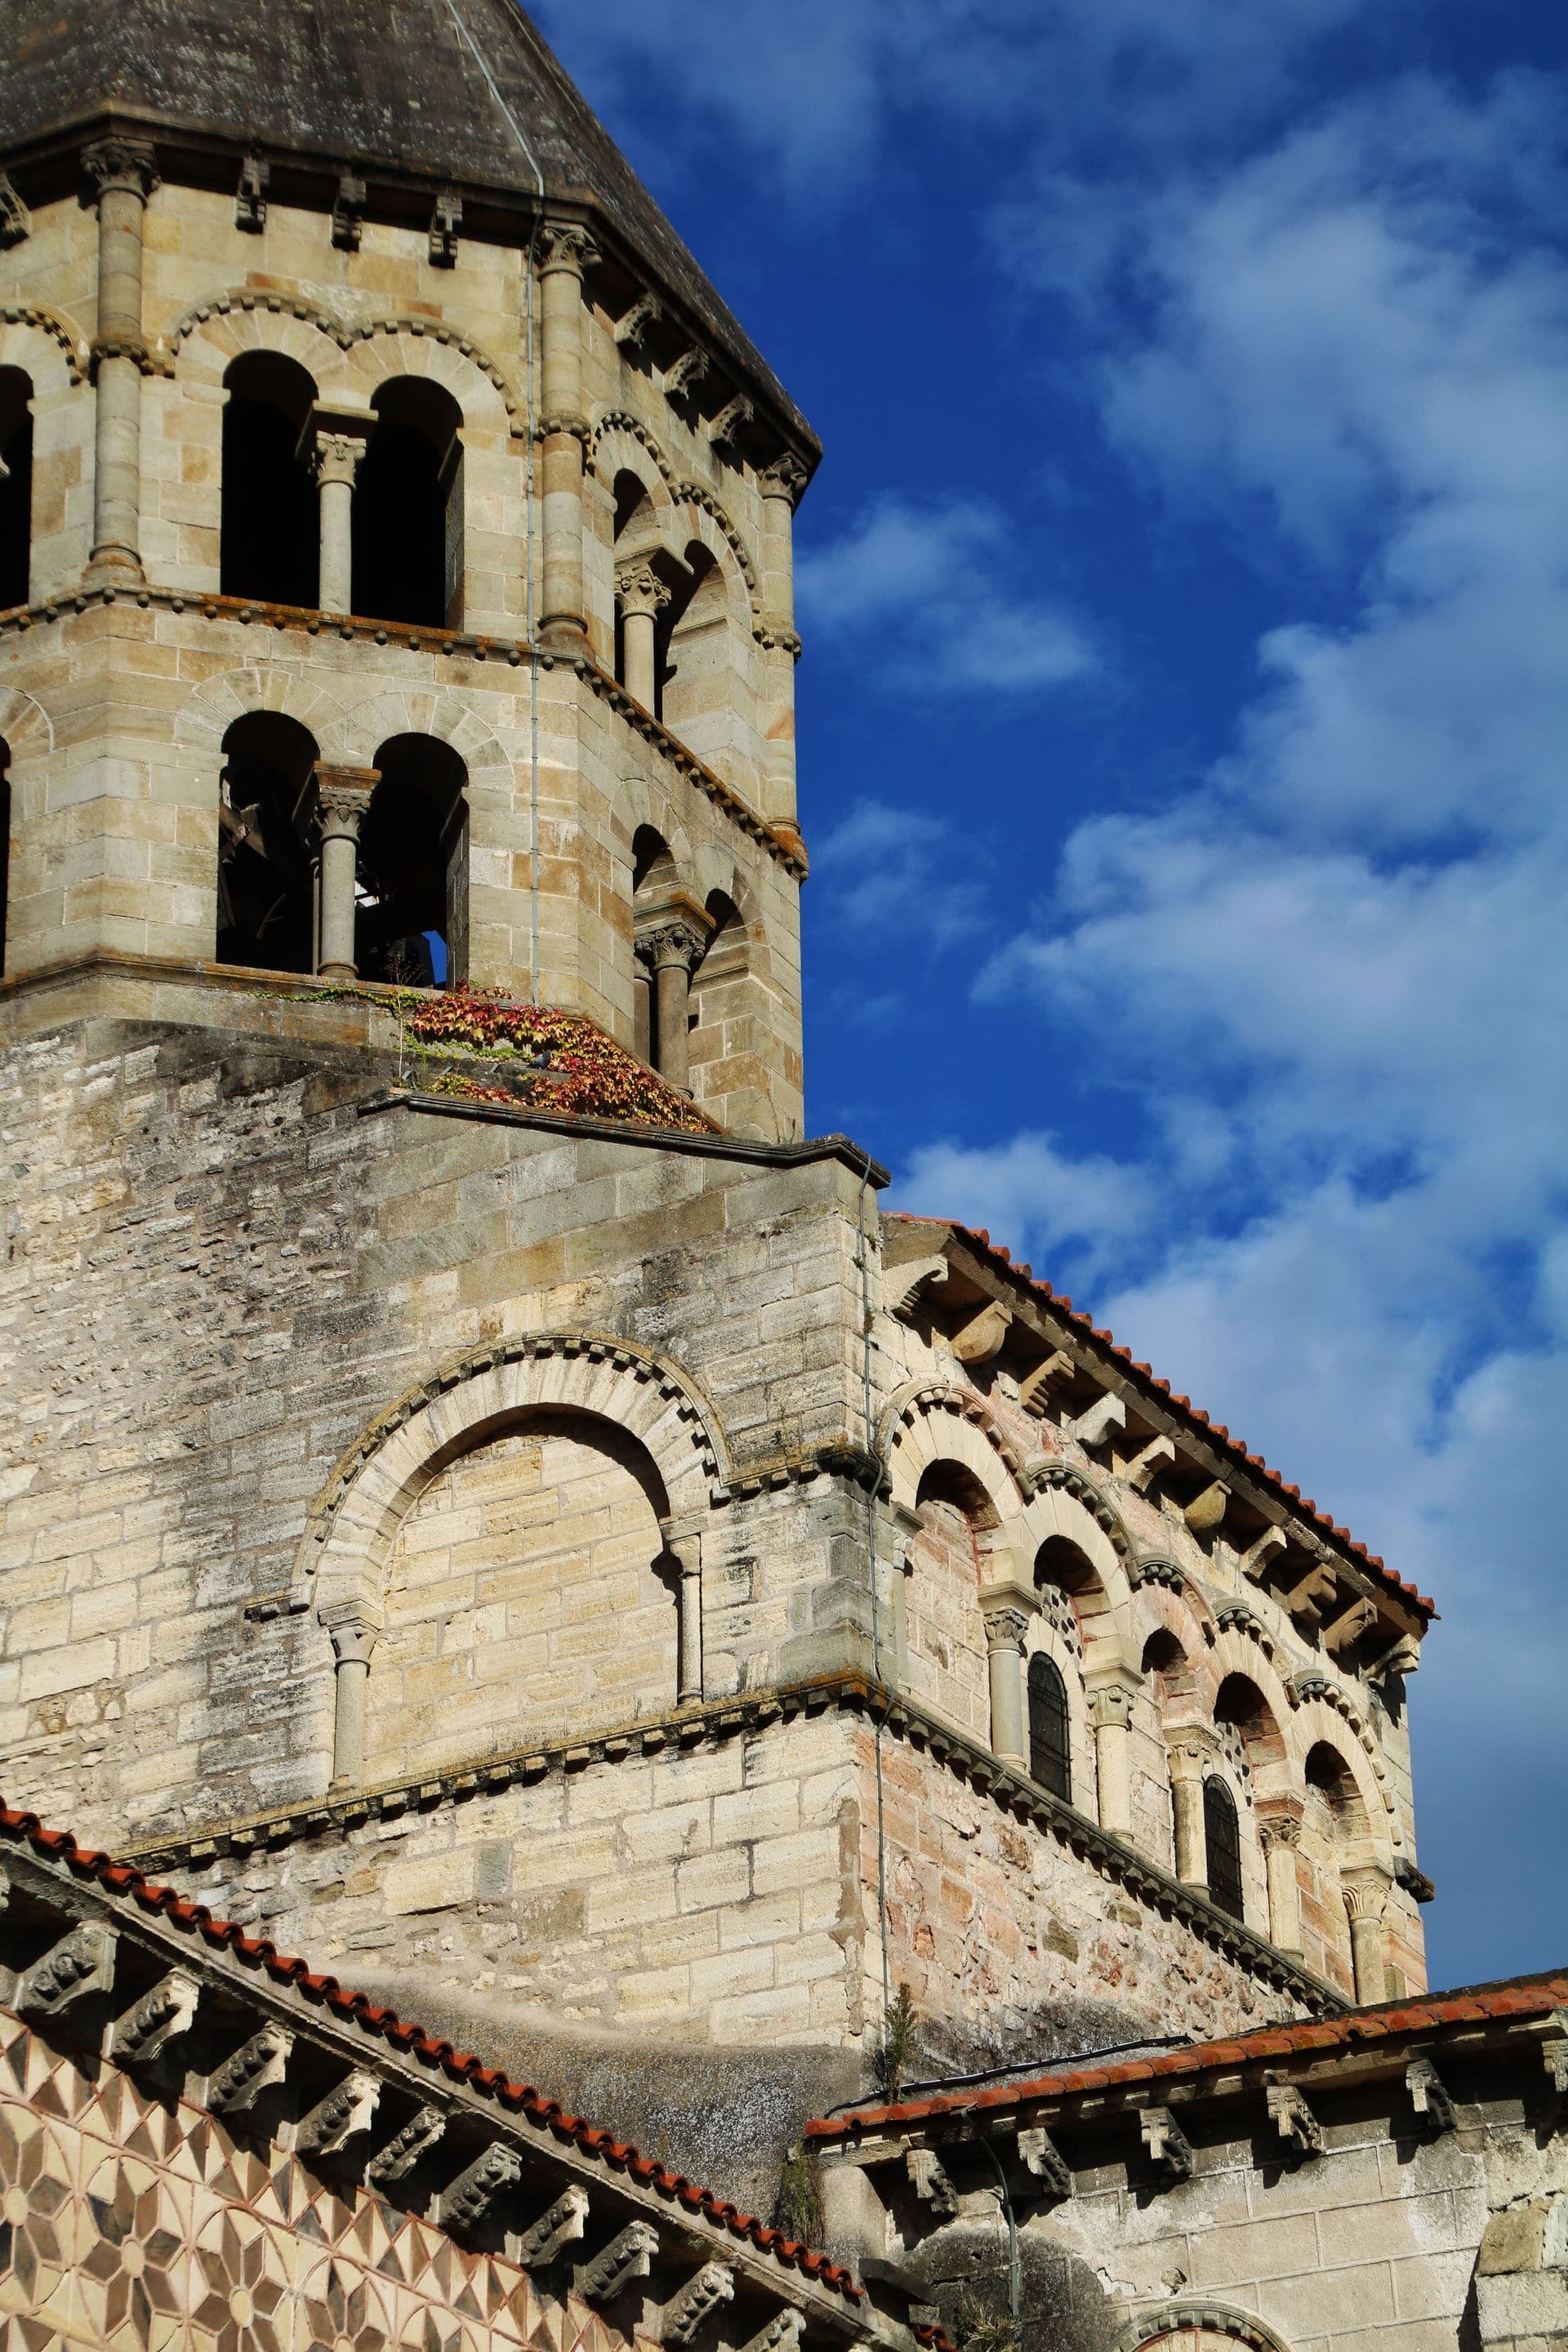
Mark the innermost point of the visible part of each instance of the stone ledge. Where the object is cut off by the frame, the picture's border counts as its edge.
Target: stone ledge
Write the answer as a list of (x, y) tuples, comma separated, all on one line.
[(1008, 1789)]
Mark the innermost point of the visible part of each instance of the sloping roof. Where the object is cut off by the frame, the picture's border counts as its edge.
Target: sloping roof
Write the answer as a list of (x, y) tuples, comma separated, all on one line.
[(59, 1848), (1514, 2001), (380, 82), (1214, 1432)]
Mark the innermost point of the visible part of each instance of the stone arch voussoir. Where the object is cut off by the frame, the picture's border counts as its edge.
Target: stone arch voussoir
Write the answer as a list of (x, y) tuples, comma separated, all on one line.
[(47, 346), (353, 1520), (407, 345), (25, 725), (1316, 1724), (444, 712), (927, 1422), (623, 444), (214, 333), (211, 709), (1172, 2319)]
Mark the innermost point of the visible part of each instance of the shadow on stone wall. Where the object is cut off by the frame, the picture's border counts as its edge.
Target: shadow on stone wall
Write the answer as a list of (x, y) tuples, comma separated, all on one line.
[(1064, 2307)]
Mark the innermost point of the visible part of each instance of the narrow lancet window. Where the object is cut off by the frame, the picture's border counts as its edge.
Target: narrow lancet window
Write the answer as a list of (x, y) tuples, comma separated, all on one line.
[(1050, 1752), (15, 487), (408, 552), (270, 532), (1221, 1837)]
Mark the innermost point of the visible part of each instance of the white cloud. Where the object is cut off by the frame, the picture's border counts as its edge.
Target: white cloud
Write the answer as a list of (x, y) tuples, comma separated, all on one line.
[(898, 869), (925, 594)]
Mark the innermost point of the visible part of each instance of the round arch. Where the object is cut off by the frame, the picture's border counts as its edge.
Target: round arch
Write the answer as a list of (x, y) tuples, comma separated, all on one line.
[(1201, 2326), (622, 445), (210, 709), (342, 1553), (207, 341), (926, 1422), (26, 726), (384, 349), (44, 345), (353, 736), (1317, 1725)]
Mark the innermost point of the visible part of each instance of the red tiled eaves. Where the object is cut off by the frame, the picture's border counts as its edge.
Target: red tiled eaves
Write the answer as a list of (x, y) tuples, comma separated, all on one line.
[(356, 2007), (1520, 1998), (1213, 1430)]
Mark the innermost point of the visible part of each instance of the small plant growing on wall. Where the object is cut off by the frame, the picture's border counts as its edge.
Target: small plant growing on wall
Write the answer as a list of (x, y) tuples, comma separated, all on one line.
[(891, 2064), (797, 2211)]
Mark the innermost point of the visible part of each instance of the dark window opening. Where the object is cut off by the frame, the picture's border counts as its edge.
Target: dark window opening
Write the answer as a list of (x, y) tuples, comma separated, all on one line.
[(5, 845), (692, 643), (412, 927), (16, 488), (266, 890), (408, 509), (271, 533), (1222, 1839), (1051, 1748)]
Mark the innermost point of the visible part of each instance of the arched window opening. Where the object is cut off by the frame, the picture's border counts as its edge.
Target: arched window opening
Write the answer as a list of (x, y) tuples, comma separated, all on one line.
[(653, 884), (718, 988), (1221, 1839), (15, 487), (270, 542), (412, 925), (5, 845), (1164, 1657), (265, 914), (1050, 1747), (408, 509), (691, 642)]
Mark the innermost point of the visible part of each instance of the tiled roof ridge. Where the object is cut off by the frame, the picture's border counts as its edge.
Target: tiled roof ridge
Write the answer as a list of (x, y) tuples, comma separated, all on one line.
[(1509, 1997), (1002, 1256), (124, 1880)]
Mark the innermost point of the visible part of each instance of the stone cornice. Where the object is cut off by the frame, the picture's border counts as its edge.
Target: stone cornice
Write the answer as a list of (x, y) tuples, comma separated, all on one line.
[(716, 1720), (781, 842)]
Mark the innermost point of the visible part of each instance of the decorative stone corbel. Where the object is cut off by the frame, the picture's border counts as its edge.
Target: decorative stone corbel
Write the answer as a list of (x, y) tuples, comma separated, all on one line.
[(160, 2017), (397, 2159), (1093, 1427), (1309, 1595), (345, 2112), (1145, 1466), (687, 372), (1039, 2155), (464, 2205), (82, 1962), (928, 2179), (15, 221), (446, 219), (1166, 2143), (732, 417), (1207, 1509), (257, 2065), (703, 2293), (628, 2256), (631, 328), (559, 2226), (1035, 1386), (780, 2333), (902, 1285), (1349, 1626), (347, 212), (250, 195), (1554, 2052), (1254, 1562), (984, 1334), (1428, 2095), (1293, 2119)]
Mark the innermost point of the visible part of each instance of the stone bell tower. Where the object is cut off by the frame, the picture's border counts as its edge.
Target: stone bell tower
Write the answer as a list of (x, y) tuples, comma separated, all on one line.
[(537, 1539)]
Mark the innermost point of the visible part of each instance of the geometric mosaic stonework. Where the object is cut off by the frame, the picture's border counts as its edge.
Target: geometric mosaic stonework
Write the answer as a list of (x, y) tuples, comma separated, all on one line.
[(145, 2226)]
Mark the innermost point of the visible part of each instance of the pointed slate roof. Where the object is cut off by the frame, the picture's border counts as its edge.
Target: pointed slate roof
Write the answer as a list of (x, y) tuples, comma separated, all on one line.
[(387, 83)]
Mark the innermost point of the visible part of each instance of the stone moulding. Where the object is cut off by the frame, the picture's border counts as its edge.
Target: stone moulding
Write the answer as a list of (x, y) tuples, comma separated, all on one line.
[(74, 345), (1169, 2319), (854, 1694), (344, 333), (510, 1375)]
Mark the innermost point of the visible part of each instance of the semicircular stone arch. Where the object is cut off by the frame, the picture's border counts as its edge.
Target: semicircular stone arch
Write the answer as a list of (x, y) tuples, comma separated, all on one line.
[(623, 446), (210, 709), (206, 342), (1198, 2327), (927, 1422), (344, 1552), (44, 345), (1317, 1725), (446, 713), (384, 348)]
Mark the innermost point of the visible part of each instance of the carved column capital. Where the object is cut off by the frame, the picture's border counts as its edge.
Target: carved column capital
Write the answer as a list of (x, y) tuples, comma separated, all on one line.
[(670, 945), (1366, 1893), (336, 456), (354, 1626), (1279, 1828), (786, 479), (120, 165), (1006, 1628), (1190, 1752), (640, 590), (565, 245), (343, 796), (1112, 1704)]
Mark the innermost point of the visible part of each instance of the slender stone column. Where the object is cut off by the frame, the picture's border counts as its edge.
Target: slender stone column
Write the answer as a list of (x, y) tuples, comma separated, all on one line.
[(335, 460), (642, 1008), (565, 250), (343, 796), (683, 1542), (124, 172), (1111, 1712), (781, 486), (1281, 1834), (354, 1626), (1006, 1629), (642, 596), (1366, 1900), (1189, 1752), (672, 949)]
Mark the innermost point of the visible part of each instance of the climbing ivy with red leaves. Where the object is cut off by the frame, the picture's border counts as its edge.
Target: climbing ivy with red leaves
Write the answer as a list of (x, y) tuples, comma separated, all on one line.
[(539, 1058)]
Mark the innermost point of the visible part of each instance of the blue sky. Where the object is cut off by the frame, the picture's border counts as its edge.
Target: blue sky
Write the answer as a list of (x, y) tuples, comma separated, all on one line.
[(1182, 724)]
